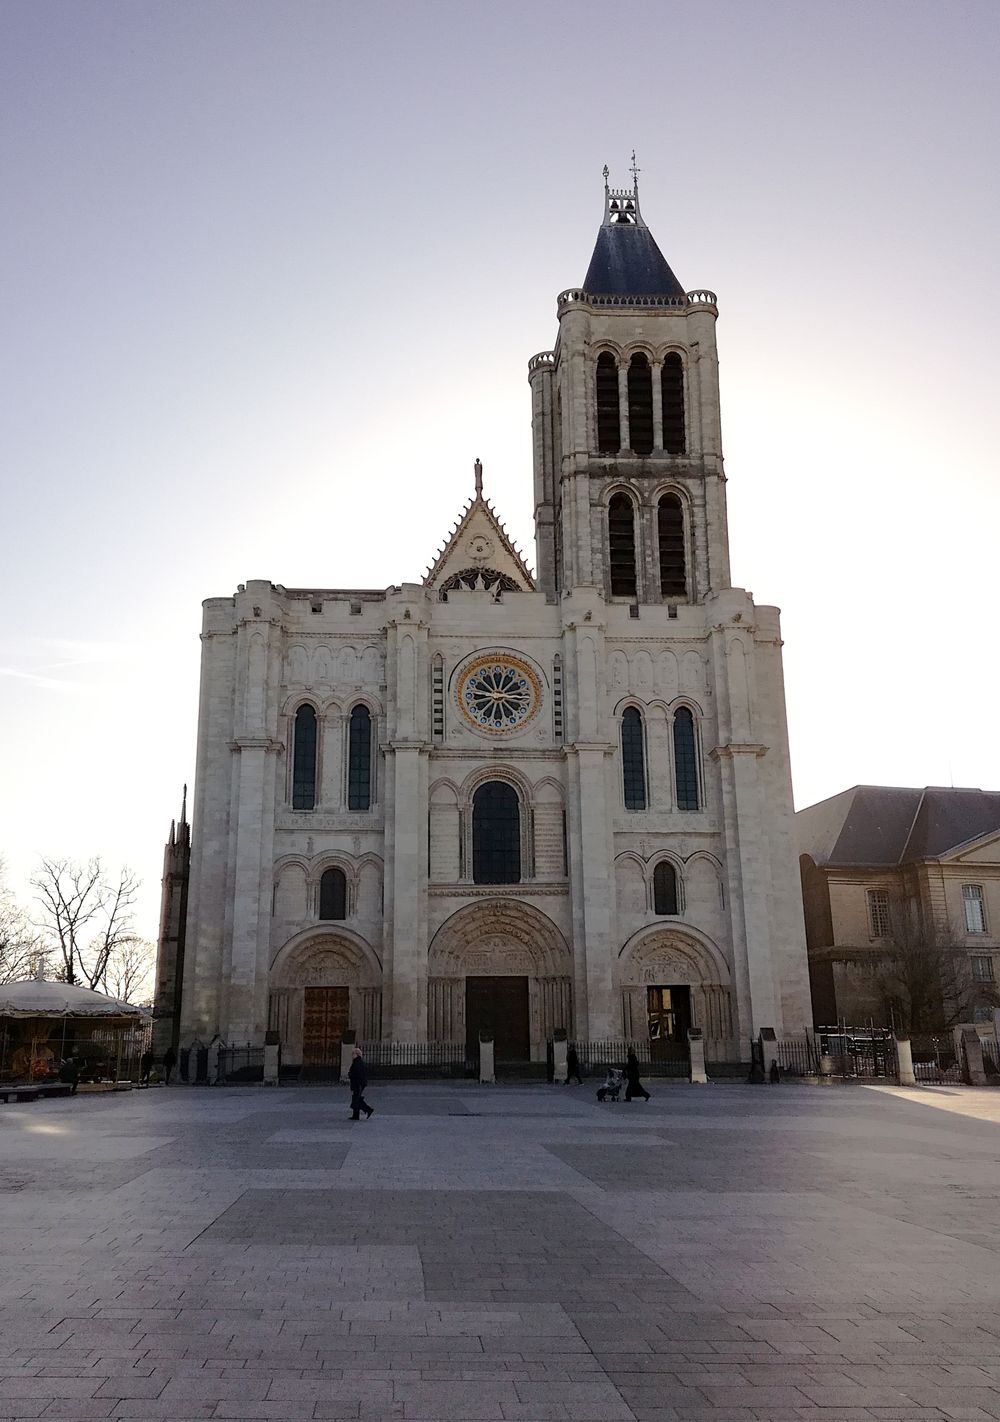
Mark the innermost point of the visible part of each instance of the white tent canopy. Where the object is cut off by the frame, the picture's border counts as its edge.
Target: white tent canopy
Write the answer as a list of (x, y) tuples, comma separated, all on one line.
[(37, 998)]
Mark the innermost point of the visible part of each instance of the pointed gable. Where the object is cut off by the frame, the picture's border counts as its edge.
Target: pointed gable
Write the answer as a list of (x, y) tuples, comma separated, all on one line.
[(478, 552)]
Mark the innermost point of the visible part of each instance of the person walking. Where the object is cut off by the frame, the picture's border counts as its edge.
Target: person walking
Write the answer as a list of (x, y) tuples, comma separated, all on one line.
[(69, 1073), (146, 1062), (634, 1086), (573, 1067), (358, 1077), (169, 1062)]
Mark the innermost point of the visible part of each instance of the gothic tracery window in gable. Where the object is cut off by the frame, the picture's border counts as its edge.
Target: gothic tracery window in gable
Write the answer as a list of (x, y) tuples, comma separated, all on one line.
[(633, 760), (304, 759), (359, 759), (672, 388), (640, 404), (621, 546), (496, 834), (333, 894), (609, 435), (670, 532), (479, 580)]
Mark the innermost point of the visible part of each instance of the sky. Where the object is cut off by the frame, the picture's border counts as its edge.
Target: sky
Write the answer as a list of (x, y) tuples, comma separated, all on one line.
[(271, 273)]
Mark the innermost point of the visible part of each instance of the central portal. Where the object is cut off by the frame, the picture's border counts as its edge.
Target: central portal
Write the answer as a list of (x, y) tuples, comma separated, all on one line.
[(498, 1006)]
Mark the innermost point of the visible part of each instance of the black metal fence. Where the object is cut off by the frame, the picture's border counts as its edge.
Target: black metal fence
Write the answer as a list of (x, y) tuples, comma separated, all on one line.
[(417, 1060), (857, 1053), (240, 1065), (656, 1058)]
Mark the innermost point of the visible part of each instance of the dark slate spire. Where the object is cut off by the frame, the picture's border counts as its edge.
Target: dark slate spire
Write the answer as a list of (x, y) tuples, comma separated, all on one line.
[(626, 260)]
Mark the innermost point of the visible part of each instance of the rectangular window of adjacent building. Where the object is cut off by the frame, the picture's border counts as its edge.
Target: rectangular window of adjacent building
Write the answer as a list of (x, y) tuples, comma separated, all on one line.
[(975, 909), (878, 912), (982, 969)]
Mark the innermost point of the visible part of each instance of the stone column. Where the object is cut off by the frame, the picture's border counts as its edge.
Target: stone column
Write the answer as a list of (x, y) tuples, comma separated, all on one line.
[(487, 1072), (658, 405), (626, 435), (560, 1050)]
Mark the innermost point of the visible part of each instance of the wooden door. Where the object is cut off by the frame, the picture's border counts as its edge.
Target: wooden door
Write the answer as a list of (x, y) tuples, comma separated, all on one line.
[(324, 1018), (498, 1005)]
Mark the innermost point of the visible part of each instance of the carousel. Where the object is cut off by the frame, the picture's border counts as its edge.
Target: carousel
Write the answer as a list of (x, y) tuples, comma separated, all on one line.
[(42, 1024)]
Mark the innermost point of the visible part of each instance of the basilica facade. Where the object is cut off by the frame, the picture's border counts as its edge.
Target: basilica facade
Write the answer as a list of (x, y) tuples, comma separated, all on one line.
[(505, 800)]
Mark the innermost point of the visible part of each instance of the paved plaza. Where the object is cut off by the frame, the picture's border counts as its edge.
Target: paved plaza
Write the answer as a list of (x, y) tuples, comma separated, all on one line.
[(502, 1254)]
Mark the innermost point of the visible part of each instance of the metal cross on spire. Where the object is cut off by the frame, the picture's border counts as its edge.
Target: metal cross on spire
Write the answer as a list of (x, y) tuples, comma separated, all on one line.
[(635, 172)]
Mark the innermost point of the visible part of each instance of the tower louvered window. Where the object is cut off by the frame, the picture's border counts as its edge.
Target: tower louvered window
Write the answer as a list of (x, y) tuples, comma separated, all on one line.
[(670, 531), (633, 760), (304, 759), (621, 546), (333, 894), (640, 405), (359, 759), (496, 834), (685, 760), (609, 431), (665, 888), (672, 387)]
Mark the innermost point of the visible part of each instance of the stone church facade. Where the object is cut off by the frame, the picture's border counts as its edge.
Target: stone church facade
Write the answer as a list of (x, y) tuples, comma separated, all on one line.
[(505, 800)]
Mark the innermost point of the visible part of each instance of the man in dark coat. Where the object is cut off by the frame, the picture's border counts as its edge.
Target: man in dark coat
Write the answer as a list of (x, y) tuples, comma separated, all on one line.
[(146, 1062), (358, 1077), (169, 1062), (635, 1086), (573, 1067)]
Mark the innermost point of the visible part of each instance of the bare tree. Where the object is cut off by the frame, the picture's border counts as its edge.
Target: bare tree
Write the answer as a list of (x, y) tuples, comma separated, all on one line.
[(129, 971), (84, 914), (20, 945), (926, 979)]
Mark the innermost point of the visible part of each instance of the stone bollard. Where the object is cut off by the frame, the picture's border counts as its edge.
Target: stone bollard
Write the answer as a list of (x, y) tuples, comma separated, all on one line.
[(560, 1053), (214, 1048), (347, 1045), (272, 1058), (696, 1046), (904, 1059), (973, 1070), (487, 1074)]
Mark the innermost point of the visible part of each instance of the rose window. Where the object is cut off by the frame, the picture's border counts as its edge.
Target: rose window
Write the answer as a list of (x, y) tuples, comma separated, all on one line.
[(498, 694)]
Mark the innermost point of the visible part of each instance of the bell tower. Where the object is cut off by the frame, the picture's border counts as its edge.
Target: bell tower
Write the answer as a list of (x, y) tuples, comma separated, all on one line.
[(629, 485)]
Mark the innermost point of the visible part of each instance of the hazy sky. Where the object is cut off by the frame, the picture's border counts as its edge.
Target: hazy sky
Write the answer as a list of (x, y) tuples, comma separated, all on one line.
[(271, 274)]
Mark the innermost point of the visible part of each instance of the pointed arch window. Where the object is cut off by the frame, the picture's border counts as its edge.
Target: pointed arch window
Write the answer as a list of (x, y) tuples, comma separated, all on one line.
[(359, 759), (333, 894), (609, 425), (672, 391), (670, 532), (685, 760), (496, 834), (640, 404), (304, 759), (633, 760), (621, 546), (665, 888)]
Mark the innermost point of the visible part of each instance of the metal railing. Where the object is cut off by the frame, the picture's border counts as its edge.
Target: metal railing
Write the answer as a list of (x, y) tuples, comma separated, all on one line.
[(656, 1058), (416, 1059)]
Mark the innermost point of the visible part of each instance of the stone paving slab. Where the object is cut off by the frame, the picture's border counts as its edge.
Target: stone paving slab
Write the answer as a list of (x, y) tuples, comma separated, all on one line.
[(516, 1254)]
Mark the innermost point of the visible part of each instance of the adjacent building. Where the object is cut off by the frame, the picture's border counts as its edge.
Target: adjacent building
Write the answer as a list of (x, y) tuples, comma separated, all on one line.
[(902, 905), (504, 799)]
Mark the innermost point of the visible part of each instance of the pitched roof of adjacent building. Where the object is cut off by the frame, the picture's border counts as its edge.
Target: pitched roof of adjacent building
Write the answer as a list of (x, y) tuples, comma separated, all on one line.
[(886, 824)]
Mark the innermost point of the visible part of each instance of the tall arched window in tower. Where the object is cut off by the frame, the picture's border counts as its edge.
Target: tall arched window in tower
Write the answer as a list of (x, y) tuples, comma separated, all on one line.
[(621, 545), (670, 531), (333, 894), (496, 834), (609, 425), (672, 387), (633, 760), (640, 404), (685, 760), (359, 759), (304, 759), (665, 888)]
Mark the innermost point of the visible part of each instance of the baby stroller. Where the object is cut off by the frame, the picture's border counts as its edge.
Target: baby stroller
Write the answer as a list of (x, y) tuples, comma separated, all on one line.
[(611, 1089)]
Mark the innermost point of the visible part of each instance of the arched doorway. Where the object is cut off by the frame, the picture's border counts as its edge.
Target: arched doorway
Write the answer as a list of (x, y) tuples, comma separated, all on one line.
[(504, 966), (672, 979), (322, 982)]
